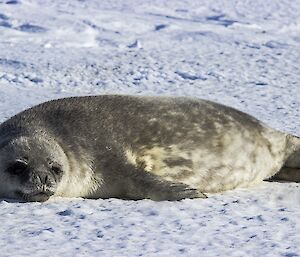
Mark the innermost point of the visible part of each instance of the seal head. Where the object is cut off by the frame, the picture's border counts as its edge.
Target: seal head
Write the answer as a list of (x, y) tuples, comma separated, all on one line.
[(31, 168)]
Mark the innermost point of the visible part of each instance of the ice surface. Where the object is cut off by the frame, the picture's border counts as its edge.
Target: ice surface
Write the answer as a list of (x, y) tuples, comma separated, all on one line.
[(241, 53)]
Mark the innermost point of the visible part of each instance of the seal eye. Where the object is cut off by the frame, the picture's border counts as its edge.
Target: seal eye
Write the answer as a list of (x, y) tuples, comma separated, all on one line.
[(18, 167), (56, 169)]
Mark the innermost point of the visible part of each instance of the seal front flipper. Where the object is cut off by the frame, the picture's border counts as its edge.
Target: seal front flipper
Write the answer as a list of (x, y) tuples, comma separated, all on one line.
[(174, 192), (144, 185), (287, 174)]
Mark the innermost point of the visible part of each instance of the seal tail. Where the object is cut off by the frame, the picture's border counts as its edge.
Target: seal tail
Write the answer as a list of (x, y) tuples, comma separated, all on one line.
[(291, 169)]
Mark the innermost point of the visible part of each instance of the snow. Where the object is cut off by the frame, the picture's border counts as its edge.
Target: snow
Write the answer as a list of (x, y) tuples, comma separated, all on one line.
[(241, 53)]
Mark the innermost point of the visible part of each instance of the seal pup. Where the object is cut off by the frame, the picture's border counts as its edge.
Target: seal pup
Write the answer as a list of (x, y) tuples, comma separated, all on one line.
[(133, 147)]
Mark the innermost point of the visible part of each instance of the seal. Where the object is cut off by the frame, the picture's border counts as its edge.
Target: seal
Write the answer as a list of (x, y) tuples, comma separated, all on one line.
[(134, 147)]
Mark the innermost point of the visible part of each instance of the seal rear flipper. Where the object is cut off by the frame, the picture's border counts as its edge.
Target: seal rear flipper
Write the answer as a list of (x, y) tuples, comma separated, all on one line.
[(287, 174), (293, 152), (291, 168), (145, 185)]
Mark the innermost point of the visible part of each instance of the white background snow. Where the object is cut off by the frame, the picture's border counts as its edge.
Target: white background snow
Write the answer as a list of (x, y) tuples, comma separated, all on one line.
[(241, 53)]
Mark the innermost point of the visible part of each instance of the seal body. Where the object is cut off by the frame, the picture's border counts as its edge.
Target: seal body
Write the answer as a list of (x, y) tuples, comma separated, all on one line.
[(132, 147)]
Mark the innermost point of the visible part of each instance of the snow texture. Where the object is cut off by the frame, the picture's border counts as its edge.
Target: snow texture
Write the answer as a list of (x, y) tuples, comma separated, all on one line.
[(241, 53)]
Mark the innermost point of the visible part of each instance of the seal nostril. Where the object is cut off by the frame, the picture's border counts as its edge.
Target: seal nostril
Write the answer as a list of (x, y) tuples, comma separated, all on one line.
[(46, 179)]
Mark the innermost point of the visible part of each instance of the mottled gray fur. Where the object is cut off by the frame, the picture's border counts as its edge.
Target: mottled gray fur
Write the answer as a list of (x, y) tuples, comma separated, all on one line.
[(161, 148)]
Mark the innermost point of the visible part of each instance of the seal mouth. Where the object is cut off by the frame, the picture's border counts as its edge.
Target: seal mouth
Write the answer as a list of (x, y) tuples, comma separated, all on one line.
[(36, 196)]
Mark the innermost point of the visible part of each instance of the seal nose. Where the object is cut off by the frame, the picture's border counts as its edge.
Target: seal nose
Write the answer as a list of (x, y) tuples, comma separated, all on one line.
[(39, 178), (43, 178)]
